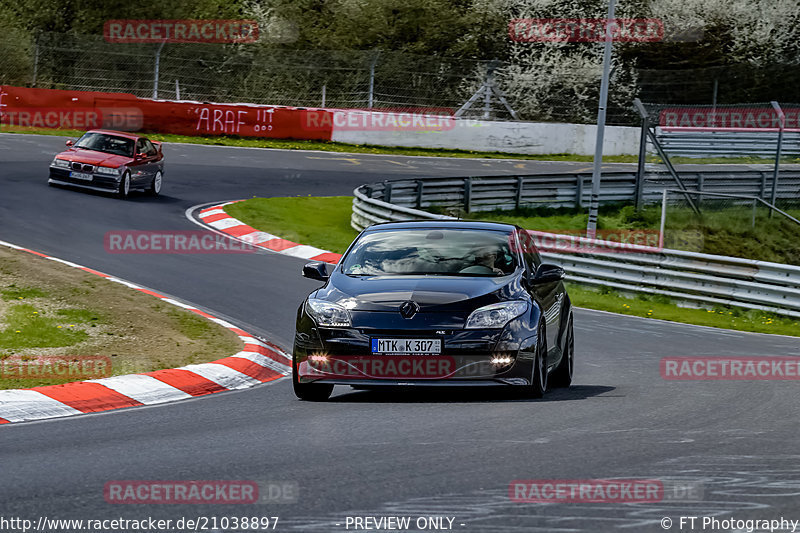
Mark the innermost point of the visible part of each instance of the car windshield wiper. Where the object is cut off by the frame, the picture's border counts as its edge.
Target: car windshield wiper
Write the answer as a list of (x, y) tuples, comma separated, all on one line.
[(87, 148)]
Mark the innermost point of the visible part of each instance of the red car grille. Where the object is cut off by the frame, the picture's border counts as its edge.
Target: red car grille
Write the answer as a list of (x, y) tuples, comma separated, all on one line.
[(82, 167)]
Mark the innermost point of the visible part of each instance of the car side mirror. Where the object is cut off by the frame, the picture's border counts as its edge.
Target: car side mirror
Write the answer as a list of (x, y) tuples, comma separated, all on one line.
[(70, 143), (316, 271), (141, 155), (547, 273)]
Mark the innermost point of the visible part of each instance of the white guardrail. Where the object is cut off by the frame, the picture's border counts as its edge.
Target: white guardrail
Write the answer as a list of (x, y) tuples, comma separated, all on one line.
[(690, 277)]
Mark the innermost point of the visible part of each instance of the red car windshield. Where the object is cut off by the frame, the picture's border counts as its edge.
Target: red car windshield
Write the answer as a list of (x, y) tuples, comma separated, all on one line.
[(102, 142)]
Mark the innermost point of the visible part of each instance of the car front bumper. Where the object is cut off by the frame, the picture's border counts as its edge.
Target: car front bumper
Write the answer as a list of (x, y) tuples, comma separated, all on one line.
[(99, 182), (468, 357)]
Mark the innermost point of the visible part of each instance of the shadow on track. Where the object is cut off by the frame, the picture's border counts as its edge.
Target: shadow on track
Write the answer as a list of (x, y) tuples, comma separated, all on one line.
[(138, 197), (465, 395)]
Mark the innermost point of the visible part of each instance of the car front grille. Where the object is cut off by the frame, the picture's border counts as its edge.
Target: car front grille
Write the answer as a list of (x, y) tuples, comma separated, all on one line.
[(81, 167)]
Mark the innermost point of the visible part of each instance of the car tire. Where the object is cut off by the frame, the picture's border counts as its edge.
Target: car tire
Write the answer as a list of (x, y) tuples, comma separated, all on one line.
[(309, 392), (155, 184), (124, 188), (538, 385), (562, 375)]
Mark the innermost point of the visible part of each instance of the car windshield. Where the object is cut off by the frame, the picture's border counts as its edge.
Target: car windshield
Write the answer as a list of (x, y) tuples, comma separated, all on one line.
[(444, 252), (103, 142)]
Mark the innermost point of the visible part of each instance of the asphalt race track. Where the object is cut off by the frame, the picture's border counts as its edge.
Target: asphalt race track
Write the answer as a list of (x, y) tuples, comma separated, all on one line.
[(401, 453)]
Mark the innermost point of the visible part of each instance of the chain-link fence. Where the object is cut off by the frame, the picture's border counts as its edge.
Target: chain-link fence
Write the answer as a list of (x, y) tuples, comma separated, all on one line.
[(256, 74), (762, 129), (719, 85), (260, 73)]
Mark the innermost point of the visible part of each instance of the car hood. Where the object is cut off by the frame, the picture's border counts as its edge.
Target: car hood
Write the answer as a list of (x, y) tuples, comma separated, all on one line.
[(431, 293), (94, 158)]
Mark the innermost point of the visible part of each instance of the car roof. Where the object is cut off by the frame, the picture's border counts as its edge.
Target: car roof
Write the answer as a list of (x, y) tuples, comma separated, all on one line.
[(125, 134), (450, 224)]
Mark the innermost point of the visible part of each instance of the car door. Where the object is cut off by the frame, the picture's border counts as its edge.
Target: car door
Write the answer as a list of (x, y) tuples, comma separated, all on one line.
[(140, 174), (156, 156), (548, 295)]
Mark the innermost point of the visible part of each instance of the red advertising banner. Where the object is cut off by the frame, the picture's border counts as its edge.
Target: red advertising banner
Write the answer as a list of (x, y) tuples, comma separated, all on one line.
[(49, 108)]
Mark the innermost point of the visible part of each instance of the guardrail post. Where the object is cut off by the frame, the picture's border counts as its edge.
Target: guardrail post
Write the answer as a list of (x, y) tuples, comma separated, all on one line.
[(763, 185), (663, 220), (639, 187), (578, 191), (782, 119), (700, 182), (467, 194), (520, 185), (387, 192), (420, 185)]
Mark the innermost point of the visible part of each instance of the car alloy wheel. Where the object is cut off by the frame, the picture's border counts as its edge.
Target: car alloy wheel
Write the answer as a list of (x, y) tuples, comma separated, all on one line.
[(155, 185), (125, 185)]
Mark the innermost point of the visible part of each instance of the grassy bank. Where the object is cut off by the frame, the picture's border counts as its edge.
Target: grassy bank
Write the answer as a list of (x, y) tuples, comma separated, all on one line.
[(50, 310), (324, 222)]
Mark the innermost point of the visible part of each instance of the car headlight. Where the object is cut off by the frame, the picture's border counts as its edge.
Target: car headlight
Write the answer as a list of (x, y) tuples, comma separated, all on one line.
[(495, 315), (107, 170), (328, 314), (61, 163)]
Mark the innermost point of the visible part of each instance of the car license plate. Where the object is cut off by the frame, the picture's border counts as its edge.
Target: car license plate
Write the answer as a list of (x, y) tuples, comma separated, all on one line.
[(406, 346), (80, 176)]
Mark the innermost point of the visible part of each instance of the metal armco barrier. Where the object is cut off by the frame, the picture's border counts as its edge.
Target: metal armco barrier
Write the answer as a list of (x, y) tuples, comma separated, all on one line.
[(727, 144), (485, 193), (690, 277)]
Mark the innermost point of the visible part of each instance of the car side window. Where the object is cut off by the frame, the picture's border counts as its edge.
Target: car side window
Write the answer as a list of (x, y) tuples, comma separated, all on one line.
[(150, 149), (140, 148), (530, 254)]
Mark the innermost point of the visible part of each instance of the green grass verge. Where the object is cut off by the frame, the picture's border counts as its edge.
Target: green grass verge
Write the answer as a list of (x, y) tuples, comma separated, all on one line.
[(663, 308), (324, 222), (27, 327), (328, 146), (50, 311)]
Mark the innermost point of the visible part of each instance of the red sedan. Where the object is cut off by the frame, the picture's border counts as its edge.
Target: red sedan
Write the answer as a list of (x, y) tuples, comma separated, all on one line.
[(106, 160)]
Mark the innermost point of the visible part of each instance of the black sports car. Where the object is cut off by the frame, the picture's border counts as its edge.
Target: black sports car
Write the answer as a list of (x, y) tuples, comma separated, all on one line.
[(435, 303)]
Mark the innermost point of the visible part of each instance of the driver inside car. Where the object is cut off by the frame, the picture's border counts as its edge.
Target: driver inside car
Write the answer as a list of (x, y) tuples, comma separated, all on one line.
[(485, 262)]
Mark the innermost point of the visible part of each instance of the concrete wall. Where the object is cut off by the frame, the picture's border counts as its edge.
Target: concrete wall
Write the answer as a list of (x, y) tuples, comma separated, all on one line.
[(488, 136)]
